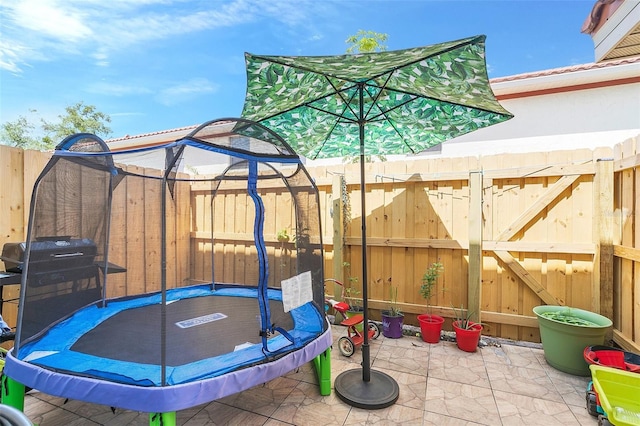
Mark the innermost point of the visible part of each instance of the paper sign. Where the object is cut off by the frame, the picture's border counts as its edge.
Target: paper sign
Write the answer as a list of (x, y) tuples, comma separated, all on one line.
[(296, 291)]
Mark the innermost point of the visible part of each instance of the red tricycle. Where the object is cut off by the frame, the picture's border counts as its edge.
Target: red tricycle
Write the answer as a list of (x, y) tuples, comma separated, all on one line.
[(355, 338)]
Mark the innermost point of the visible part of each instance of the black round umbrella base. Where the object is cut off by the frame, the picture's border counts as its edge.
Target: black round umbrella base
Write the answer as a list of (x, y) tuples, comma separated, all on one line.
[(380, 392)]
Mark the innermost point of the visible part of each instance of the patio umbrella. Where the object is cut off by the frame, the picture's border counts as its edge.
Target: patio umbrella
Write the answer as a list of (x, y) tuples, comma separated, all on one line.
[(394, 102)]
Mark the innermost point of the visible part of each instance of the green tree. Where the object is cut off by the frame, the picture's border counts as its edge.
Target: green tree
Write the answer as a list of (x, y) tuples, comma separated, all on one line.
[(79, 118), (19, 133), (367, 42)]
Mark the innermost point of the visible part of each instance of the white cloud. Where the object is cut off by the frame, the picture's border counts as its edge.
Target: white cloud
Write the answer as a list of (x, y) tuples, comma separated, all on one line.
[(52, 19), (49, 29), (114, 89), (33, 29), (10, 55), (101, 57), (185, 91), (126, 114)]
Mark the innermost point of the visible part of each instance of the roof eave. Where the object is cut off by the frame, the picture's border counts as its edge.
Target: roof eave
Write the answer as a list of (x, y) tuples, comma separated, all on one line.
[(619, 36), (568, 78)]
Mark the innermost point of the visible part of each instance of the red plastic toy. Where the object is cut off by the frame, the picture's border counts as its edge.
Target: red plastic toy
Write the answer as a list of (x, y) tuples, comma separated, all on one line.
[(354, 338)]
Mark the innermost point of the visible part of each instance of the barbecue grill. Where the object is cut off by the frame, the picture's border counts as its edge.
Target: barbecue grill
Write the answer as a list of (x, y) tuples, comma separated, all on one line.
[(55, 252), (62, 276), (53, 259)]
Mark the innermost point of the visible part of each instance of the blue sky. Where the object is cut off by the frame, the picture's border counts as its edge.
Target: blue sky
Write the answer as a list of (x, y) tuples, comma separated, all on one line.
[(160, 64)]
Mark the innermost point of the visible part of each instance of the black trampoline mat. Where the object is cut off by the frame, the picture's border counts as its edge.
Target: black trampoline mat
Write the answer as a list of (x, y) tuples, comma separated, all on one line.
[(134, 335)]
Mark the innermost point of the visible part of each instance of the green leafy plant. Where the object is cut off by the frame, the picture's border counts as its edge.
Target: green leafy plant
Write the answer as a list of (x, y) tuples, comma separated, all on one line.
[(429, 281), (463, 318), (350, 296), (347, 268), (350, 290), (366, 41), (567, 317), (283, 236), (394, 309)]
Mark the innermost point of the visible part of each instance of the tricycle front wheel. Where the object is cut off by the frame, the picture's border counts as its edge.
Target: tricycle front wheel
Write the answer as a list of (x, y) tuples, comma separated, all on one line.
[(346, 346)]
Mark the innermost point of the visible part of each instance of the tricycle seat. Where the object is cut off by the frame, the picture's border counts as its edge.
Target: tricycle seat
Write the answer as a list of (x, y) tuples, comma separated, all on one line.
[(354, 320)]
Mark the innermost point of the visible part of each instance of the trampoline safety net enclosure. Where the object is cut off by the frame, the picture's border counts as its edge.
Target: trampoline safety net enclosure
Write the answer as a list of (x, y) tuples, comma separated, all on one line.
[(157, 278)]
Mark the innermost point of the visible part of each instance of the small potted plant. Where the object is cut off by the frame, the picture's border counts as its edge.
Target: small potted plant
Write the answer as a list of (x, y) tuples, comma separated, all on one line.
[(467, 331), (351, 295), (392, 318), (430, 325)]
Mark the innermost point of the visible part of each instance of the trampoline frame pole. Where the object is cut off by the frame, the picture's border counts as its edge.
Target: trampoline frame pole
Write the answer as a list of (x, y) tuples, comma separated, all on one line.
[(162, 419)]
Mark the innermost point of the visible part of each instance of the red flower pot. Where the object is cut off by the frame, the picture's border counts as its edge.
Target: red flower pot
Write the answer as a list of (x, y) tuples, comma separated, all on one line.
[(430, 327), (467, 338)]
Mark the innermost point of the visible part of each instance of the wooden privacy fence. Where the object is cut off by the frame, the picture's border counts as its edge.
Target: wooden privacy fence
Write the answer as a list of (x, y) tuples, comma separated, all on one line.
[(624, 296), (512, 231), (19, 170)]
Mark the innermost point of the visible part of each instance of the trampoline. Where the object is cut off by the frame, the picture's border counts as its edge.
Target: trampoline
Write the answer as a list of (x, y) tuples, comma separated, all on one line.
[(146, 319), (101, 343)]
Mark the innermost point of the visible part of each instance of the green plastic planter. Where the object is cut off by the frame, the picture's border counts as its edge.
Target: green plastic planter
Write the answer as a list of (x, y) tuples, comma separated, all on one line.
[(564, 343)]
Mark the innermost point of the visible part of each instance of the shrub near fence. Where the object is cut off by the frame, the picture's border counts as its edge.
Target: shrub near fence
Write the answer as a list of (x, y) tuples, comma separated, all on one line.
[(513, 232)]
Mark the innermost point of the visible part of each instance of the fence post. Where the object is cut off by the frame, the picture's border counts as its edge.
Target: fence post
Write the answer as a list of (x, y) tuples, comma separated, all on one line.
[(475, 245), (602, 277), (337, 209)]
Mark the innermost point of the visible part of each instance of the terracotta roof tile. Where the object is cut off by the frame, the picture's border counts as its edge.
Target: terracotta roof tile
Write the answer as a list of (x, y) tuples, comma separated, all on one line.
[(159, 132), (566, 70)]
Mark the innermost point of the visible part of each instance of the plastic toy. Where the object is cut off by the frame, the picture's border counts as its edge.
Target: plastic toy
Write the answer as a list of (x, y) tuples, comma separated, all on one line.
[(607, 356), (354, 338), (618, 392)]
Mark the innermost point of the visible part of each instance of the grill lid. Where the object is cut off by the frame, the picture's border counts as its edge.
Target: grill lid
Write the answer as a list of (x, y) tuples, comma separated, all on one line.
[(50, 254)]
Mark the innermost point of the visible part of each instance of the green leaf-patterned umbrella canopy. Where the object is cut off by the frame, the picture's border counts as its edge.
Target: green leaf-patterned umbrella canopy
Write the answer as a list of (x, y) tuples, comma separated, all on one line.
[(395, 102)]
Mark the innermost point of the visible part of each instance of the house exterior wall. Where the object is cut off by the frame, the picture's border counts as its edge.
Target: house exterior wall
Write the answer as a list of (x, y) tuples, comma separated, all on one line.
[(582, 106), (589, 118)]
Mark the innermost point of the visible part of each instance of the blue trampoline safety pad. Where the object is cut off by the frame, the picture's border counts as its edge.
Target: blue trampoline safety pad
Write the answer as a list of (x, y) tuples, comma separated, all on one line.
[(53, 351)]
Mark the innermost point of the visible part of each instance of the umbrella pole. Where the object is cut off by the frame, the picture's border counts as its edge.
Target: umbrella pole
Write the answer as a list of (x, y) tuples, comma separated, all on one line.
[(366, 350), (375, 389)]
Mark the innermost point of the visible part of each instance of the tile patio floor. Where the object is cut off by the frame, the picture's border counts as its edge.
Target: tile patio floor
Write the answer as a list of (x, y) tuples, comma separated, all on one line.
[(439, 385)]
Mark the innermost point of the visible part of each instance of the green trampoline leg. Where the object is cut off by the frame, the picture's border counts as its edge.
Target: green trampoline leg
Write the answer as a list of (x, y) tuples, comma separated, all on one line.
[(323, 369), (162, 419), (12, 393)]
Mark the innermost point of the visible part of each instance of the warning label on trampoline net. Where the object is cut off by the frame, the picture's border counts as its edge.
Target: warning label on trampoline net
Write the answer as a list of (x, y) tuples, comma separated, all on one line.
[(296, 291), (201, 320)]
